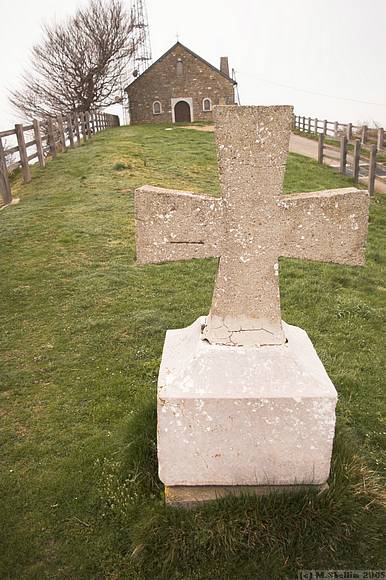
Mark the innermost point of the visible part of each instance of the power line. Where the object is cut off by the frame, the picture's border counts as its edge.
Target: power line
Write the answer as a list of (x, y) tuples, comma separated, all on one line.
[(314, 92)]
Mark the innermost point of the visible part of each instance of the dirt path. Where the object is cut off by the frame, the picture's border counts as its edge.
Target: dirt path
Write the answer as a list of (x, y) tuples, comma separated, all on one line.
[(205, 128)]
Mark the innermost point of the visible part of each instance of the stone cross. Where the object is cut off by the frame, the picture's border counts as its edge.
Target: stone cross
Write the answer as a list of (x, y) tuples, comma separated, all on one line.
[(251, 225)]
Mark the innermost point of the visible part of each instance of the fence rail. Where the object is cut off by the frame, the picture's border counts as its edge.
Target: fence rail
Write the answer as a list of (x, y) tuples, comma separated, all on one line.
[(368, 136), (347, 135), (46, 137)]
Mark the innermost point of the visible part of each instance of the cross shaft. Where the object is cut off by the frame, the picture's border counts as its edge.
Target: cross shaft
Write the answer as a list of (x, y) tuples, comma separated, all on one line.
[(251, 225)]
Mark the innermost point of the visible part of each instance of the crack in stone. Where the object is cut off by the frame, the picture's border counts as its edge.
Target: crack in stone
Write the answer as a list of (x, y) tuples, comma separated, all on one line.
[(197, 243), (230, 342)]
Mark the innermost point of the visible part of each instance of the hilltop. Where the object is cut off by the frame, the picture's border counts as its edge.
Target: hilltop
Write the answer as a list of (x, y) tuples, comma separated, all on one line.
[(82, 334)]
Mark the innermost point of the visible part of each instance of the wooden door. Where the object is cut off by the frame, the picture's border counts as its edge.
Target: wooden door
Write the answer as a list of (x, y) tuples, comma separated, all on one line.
[(182, 112)]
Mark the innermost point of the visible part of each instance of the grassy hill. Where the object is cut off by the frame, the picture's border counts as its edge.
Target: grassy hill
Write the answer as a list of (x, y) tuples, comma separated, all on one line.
[(82, 334)]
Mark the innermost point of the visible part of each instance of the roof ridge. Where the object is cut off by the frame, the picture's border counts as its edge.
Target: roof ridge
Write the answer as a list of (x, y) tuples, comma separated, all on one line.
[(178, 43)]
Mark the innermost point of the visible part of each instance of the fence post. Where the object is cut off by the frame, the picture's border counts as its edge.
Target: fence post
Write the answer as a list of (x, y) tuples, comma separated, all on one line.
[(83, 125), (88, 126), (51, 137), (309, 125), (70, 131), (320, 147), (92, 118), (336, 129), (349, 131), (77, 131), (25, 168), (325, 127), (98, 122), (380, 138), (316, 126), (86, 133), (364, 134), (62, 137), (343, 154), (357, 156), (39, 145), (372, 168), (5, 186)]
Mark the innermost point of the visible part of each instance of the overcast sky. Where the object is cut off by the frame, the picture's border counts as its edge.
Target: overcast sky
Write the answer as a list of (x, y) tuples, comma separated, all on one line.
[(327, 57)]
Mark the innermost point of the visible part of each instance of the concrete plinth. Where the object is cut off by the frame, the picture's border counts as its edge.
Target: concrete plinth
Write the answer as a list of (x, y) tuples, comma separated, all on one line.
[(243, 416), (190, 496)]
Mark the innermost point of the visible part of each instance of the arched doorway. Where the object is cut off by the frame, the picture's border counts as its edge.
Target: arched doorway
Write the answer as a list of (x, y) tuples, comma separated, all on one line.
[(182, 112)]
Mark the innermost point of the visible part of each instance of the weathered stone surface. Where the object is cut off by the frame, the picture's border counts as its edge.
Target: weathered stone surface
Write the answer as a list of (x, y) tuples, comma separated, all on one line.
[(251, 225), (243, 416), (233, 418), (177, 225)]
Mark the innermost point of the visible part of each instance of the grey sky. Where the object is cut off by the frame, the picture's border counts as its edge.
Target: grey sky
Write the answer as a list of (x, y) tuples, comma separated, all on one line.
[(324, 57)]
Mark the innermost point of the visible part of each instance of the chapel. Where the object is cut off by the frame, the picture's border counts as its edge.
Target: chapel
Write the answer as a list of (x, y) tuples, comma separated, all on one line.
[(180, 87)]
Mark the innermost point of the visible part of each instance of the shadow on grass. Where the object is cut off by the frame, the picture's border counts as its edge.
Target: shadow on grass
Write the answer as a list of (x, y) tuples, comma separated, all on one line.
[(245, 537)]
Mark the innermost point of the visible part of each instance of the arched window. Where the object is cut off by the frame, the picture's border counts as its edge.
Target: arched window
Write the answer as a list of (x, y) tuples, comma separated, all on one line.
[(206, 105), (157, 109), (180, 68)]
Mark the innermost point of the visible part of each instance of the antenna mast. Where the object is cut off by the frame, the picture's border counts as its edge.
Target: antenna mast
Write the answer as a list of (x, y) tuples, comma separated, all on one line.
[(237, 86), (142, 57)]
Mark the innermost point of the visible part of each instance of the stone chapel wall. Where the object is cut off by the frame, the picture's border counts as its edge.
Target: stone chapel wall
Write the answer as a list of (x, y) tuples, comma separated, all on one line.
[(162, 83)]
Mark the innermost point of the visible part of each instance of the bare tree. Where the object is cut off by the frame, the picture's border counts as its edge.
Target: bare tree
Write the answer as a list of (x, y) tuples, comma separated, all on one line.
[(79, 64)]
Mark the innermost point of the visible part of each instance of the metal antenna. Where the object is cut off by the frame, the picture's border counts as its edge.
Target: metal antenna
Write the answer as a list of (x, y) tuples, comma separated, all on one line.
[(237, 86), (142, 57)]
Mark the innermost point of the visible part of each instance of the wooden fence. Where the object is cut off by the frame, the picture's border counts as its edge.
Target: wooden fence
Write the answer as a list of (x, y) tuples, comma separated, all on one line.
[(361, 137), (334, 129), (46, 138)]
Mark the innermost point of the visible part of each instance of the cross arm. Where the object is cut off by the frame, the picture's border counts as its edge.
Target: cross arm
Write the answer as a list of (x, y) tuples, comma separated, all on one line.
[(329, 226), (176, 225)]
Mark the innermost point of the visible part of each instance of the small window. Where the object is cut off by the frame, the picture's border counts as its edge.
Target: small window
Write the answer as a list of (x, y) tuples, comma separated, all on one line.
[(206, 105), (180, 68), (157, 110)]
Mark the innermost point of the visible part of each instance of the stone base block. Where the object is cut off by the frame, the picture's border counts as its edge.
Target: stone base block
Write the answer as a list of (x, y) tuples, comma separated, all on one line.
[(243, 416), (195, 495)]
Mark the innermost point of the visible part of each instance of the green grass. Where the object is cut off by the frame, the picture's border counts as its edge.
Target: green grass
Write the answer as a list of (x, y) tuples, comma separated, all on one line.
[(82, 335)]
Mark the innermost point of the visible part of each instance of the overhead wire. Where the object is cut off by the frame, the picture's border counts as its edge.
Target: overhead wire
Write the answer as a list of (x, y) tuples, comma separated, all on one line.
[(312, 92)]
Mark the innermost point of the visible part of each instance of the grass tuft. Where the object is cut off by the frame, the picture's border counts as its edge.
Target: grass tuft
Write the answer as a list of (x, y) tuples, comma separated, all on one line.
[(121, 165)]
